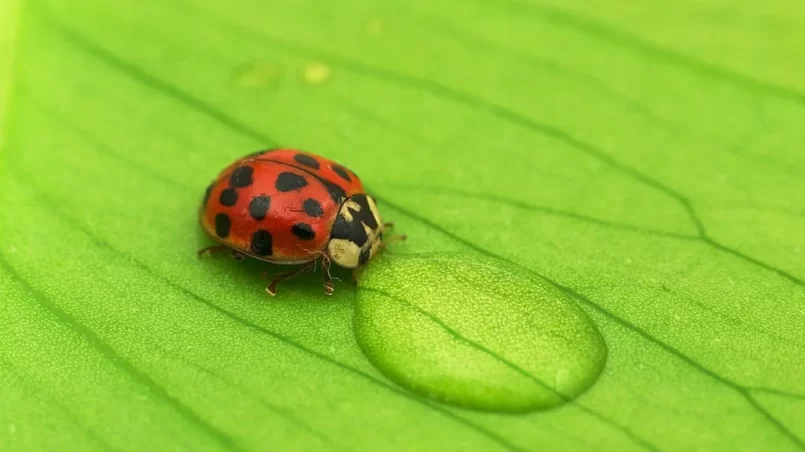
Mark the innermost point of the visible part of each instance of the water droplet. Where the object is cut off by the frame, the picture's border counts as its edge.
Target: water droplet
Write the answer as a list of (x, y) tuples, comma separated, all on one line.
[(316, 73), (476, 332)]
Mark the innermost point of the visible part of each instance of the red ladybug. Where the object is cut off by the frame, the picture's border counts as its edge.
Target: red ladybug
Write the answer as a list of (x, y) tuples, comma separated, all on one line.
[(287, 206)]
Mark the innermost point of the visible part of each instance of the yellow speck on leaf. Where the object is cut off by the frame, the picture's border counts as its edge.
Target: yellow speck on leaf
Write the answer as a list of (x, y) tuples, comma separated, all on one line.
[(316, 73)]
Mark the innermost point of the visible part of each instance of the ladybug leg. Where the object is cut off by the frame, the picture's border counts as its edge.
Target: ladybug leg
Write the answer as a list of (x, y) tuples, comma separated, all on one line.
[(238, 256), (272, 287), (388, 225), (356, 275), (210, 250), (328, 279), (392, 239)]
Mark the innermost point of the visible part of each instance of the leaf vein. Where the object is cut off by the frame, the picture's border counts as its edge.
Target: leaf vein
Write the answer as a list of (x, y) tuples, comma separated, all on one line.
[(601, 31), (121, 363), (57, 210), (608, 314), (477, 345)]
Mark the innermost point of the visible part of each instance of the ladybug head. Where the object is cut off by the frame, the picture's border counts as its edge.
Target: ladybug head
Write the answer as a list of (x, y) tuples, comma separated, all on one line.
[(356, 233)]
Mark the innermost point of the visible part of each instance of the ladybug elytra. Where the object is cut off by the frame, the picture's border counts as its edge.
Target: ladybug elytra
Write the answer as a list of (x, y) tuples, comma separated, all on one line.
[(290, 207)]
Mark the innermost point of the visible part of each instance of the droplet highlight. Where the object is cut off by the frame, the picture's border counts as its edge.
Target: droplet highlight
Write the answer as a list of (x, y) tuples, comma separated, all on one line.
[(476, 332)]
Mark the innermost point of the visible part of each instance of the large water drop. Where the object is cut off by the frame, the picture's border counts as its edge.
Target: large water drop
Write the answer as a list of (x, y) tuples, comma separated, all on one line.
[(476, 332)]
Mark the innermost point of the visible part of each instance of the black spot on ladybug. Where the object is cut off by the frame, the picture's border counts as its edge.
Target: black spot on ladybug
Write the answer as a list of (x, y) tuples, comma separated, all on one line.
[(229, 197), (207, 193), (303, 231), (352, 231), (335, 190), (342, 173), (357, 234), (340, 229), (258, 207), (262, 243), (364, 257), (313, 208), (241, 177), (306, 160), (290, 181), (365, 214), (222, 225)]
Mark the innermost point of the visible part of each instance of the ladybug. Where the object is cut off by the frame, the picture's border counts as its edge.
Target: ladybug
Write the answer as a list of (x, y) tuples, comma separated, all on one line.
[(290, 207)]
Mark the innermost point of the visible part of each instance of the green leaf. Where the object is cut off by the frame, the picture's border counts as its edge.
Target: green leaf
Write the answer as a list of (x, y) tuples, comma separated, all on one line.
[(644, 158)]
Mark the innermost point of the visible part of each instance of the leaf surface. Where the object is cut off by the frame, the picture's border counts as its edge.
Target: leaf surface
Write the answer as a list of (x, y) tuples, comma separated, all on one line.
[(644, 158)]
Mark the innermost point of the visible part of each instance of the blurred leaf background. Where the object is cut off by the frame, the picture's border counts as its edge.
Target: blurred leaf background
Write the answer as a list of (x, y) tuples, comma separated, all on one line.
[(645, 156)]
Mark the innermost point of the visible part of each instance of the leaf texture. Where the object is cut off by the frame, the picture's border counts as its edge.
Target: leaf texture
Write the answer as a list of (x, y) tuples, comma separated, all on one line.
[(645, 158)]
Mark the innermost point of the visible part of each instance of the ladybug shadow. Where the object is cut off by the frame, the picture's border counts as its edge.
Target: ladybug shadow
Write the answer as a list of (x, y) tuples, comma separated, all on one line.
[(310, 283)]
